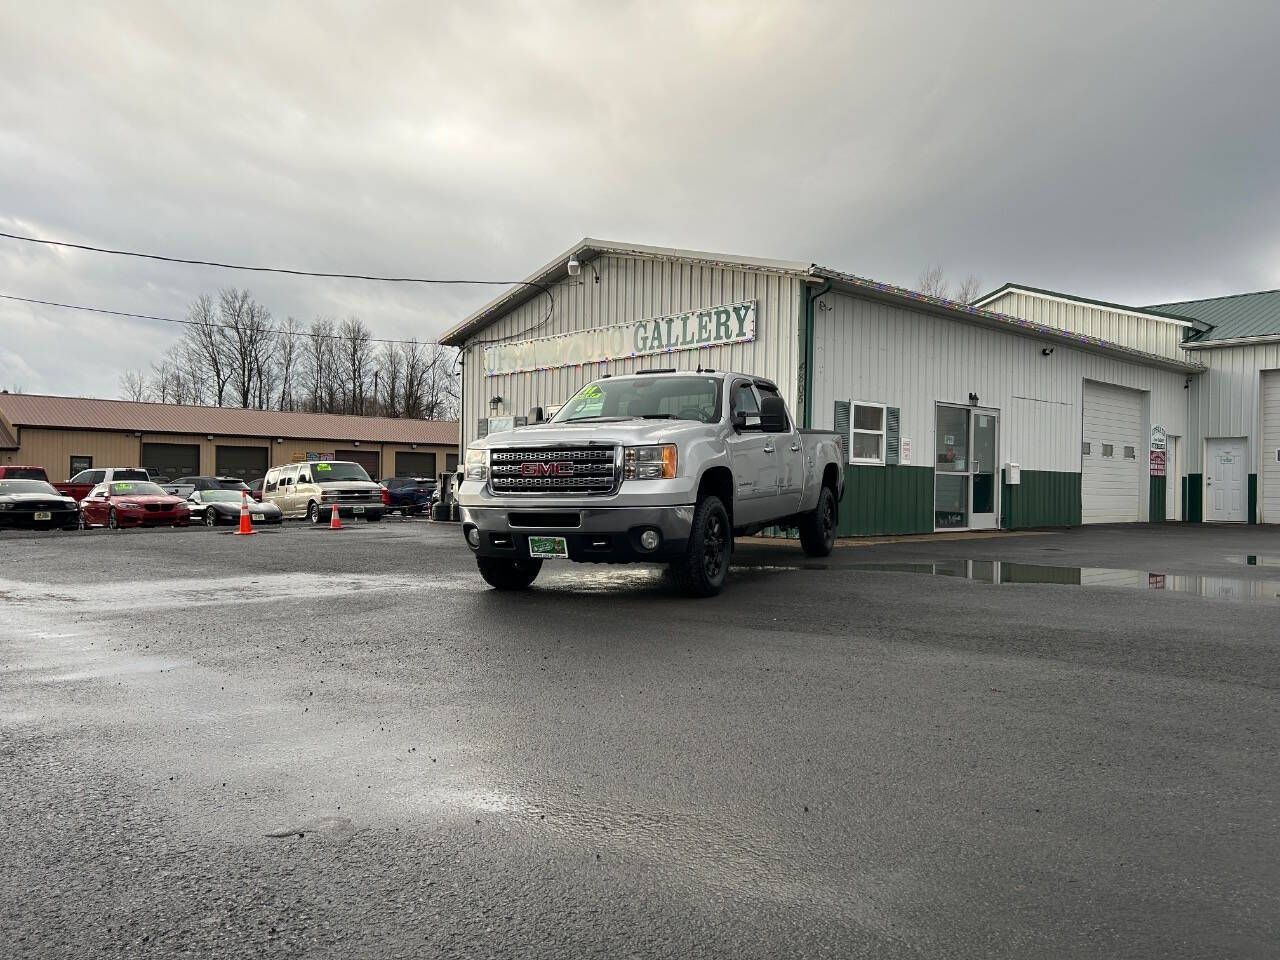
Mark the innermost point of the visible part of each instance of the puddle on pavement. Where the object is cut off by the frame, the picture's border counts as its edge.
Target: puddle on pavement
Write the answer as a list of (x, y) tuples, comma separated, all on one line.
[(1003, 571)]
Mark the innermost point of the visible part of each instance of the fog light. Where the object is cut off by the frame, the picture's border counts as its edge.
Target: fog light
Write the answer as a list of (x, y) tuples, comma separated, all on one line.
[(649, 539), (473, 537)]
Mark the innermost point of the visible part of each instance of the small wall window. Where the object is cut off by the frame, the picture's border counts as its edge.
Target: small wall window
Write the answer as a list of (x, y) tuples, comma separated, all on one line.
[(1108, 450), (1130, 453), (80, 463), (867, 437), (1086, 448)]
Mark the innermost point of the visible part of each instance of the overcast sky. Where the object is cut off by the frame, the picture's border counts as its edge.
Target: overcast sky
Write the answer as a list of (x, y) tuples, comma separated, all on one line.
[(1125, 150)]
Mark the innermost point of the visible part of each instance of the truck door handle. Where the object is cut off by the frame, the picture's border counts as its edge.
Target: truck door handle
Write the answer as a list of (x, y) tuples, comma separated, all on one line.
[(795, 447), (769, 448)]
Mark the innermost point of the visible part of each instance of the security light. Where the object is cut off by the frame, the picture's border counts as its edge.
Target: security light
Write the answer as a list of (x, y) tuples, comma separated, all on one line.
[(494, 404), (575, 267)]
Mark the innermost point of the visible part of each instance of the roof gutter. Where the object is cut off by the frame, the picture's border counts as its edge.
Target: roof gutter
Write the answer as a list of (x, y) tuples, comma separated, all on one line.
[(1231, 342)]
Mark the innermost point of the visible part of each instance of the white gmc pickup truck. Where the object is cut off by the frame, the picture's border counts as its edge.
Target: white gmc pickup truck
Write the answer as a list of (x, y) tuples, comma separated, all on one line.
[(654, 467)]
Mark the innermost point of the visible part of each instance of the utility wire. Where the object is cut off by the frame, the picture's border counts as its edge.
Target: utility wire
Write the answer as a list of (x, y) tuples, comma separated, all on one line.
[(292, 272), (201, 323)]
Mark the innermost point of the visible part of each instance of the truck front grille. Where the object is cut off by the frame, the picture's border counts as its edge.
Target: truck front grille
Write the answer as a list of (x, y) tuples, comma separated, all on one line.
[(553, 470)]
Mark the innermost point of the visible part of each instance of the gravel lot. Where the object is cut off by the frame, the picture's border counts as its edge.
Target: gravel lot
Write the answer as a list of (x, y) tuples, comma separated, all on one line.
[(343, 745)]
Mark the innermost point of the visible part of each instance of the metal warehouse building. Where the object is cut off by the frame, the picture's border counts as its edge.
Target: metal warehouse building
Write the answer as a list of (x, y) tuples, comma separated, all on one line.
[(954, 417), (68, 434)]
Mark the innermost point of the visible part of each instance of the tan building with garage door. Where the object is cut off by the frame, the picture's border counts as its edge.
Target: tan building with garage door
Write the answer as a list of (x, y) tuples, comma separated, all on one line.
[(68, 434)]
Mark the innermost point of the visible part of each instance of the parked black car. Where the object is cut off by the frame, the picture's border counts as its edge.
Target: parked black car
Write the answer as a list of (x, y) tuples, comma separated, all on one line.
[(409, 495), (212, 507), (212, 483), (36, 505)]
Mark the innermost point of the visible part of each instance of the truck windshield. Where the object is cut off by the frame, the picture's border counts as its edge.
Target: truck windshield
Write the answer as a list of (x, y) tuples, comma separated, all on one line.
[(656, 397), (339, 470)]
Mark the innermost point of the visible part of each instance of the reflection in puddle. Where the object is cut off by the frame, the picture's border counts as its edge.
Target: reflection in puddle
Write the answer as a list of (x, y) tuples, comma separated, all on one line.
[(1001, 571), (1254, 560)]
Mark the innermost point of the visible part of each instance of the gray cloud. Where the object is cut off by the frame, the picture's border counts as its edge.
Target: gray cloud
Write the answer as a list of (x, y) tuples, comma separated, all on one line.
[(1124, 151)]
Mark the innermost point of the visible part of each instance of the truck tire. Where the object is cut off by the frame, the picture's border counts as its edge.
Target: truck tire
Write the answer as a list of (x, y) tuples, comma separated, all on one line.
[(508, 574), (702, 570), (818, 527), (313, 513)]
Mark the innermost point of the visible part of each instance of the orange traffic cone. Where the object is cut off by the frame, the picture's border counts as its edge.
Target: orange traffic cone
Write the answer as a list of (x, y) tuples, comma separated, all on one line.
[(335, 522), (246, 527)]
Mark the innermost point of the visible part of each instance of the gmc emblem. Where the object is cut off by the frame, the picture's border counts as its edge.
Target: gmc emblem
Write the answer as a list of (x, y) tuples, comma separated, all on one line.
[(558, 468)]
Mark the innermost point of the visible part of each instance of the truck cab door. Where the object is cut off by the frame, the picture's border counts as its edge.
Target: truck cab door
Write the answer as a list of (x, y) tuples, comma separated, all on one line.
[(752, 455), (789, 460)]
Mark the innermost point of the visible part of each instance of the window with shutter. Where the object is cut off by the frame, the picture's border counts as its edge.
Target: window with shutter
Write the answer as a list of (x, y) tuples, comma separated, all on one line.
[(842, 426), (892, 442), (867, 438)]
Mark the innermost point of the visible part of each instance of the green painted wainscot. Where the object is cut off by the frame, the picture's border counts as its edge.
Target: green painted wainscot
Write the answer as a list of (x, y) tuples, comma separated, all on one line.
[(1156, 503), (881, 501), (1044, 498), (1192, 497)]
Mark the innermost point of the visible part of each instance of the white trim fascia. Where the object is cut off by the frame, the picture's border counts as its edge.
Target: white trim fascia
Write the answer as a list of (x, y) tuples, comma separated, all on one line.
[(1079, 303)]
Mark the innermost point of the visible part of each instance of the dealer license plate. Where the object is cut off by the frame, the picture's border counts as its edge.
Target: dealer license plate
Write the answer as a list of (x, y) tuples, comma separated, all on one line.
[(548, 548), (258, 516), (44, 515), (357, 509)]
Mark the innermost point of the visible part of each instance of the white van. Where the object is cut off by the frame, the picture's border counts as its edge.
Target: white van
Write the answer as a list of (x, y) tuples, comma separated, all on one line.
[(313, 488)]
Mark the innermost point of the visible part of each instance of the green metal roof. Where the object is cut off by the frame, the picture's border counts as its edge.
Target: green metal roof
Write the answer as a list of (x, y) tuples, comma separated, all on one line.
[(1231, 318)]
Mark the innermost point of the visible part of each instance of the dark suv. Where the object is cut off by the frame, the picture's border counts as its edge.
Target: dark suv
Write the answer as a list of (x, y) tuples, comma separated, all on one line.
[(409, 495)]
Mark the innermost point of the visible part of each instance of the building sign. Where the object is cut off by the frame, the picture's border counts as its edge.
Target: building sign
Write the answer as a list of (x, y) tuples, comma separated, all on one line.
[(1159, 439), (1158, 463), (904, 450), (713, 327)]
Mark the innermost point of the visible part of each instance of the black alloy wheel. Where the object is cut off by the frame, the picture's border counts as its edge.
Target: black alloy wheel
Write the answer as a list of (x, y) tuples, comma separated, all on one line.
[(210, 517), (113, 522), (702, 570), (818, 527)]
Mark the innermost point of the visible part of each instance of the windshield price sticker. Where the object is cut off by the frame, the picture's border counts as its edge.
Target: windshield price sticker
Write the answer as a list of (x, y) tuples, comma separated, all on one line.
[(322, 467)]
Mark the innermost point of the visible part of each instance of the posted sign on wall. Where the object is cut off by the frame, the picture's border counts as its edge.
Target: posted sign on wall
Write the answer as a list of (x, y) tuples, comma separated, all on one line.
[(712, 327)]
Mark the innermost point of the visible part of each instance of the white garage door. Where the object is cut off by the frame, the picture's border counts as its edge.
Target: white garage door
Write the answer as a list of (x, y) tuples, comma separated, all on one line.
[(1271, 447), (1111, 479)]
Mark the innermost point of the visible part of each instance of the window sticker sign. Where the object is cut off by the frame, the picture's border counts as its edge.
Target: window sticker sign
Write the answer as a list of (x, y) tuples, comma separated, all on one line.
[(709, 327), (323, 468)]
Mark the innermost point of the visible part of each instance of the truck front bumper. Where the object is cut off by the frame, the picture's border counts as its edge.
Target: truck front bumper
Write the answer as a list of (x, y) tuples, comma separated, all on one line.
[(592, 534)]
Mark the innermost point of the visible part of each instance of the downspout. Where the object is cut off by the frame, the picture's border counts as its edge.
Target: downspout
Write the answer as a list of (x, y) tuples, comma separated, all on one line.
[(810, 326)]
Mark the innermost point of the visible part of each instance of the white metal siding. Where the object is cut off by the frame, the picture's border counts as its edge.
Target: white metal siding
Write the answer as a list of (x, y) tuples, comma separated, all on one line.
[(872, 351), (1110, 487), (1161, 337), (634, 288), (1269, 495), (1226, 400)]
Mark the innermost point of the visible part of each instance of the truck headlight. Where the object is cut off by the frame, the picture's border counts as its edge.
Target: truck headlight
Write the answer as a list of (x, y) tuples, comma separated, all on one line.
[(477, 464), (649, 463)]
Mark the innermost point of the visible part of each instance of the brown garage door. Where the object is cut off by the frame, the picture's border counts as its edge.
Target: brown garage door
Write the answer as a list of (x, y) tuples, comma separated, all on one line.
[(366, 458), (415, 464), (247, 463), (171, 460)]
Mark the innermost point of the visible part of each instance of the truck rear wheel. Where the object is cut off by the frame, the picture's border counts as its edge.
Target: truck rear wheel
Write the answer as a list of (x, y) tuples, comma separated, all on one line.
[(702, 570), (508, 574), (818, 528)]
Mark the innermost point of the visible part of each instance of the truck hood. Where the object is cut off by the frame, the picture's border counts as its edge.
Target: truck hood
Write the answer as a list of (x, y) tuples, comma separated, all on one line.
[(626, 432), (350, 486)]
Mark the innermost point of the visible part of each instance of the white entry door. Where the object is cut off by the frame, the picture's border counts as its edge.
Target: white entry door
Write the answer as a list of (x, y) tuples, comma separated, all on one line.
[(1225, 480)]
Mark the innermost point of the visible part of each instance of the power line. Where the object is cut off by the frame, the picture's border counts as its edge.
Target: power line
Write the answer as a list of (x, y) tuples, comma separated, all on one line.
[(291, 271), (206, 325)]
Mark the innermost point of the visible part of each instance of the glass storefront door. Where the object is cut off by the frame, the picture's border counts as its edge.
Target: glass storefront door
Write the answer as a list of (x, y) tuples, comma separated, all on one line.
[(966, 479)]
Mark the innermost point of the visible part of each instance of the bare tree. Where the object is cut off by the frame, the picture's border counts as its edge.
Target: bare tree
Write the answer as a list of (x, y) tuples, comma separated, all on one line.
[(321, 367), (356, 351), (133, 385), (390, 374), (288, 357), (970, 287), (246, 326), (932, 281), (207, 347)]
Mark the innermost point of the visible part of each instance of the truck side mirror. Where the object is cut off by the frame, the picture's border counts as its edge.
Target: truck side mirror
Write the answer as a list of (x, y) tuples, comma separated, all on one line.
[(739, 420), (773, 415)]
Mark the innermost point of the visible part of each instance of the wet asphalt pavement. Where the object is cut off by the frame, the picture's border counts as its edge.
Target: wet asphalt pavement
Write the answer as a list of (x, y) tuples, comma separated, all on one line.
[(344, 745)]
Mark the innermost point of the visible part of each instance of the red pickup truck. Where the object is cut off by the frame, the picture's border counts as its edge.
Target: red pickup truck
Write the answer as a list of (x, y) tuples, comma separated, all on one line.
[(84, 481), (10, 471)]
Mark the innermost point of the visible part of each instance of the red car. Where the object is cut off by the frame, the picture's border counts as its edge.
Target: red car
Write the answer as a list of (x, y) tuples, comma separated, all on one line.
[(133, 503)]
